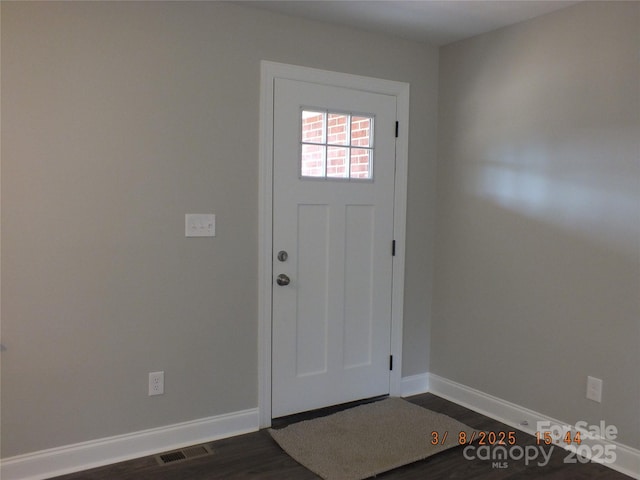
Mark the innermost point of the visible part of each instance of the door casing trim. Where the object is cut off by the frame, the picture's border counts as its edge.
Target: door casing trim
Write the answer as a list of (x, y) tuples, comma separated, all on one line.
[(269, 71)]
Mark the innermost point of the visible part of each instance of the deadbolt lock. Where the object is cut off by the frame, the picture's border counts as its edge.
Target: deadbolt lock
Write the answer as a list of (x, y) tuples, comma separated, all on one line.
[(282, 256)]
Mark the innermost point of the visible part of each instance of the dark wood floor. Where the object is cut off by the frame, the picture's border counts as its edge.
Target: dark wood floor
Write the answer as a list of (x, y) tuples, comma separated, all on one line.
[(257, 456)]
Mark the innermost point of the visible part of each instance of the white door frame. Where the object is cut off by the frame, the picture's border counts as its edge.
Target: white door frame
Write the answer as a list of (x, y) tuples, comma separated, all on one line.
[(269, 72)]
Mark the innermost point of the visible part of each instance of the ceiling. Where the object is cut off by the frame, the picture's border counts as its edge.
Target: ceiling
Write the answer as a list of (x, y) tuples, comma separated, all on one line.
[(437, 22)]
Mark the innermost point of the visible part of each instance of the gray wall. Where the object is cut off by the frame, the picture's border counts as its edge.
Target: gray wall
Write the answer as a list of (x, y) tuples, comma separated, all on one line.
[(117, 119), (538, 214)]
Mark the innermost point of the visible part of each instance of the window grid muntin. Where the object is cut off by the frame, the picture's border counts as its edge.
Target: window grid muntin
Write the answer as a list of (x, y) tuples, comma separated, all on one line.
[(350, 174)]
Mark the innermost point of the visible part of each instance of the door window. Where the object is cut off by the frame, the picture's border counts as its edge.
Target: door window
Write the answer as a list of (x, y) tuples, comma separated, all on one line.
[(336, 145)]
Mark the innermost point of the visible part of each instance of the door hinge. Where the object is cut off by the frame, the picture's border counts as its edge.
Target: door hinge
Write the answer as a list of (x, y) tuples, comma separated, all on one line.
[(393, 248), (397, 128), (390, 362)]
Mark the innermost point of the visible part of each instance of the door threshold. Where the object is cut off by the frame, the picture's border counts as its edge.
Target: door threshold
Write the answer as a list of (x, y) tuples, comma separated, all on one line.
[(281, 422)]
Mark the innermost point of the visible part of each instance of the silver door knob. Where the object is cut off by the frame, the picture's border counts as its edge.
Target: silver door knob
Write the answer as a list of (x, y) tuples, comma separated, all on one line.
[(283, 280)]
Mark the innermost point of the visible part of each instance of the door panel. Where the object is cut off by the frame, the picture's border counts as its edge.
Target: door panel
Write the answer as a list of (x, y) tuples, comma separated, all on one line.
[(331, 323), (358, 275), (311, 283)]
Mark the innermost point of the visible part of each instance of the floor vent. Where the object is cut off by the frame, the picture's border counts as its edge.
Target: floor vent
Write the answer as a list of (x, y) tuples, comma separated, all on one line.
[(184, 454)]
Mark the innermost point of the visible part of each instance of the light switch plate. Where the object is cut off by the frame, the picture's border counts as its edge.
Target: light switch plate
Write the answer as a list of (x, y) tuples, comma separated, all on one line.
[(200, 225)]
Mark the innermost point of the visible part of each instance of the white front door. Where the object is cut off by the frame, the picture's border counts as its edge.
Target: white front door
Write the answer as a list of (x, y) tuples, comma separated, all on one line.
[(333, 207)]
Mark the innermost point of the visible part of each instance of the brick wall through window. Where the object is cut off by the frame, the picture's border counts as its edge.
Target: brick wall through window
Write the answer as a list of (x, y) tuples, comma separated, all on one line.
[(336, 145)]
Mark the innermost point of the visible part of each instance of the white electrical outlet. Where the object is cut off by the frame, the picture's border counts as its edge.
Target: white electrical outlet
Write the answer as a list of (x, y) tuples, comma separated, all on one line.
[(156, 383), (594, 389)]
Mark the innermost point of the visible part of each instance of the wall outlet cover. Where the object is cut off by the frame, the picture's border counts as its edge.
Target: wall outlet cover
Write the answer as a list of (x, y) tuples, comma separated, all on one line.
[(594, 389), (156, 383)]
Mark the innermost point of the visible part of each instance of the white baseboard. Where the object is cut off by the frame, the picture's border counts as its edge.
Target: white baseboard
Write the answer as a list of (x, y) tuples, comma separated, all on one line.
[(83, 456), (627, 459), (96, 453), (414, 385)]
